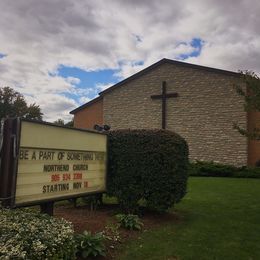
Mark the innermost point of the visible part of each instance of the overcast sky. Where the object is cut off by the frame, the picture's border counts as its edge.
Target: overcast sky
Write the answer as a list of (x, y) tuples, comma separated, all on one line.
[(61, 53)]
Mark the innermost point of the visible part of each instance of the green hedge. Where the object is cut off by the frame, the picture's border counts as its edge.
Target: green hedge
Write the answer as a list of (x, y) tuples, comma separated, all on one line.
[(26, 234), (212, 169), (147, 164)]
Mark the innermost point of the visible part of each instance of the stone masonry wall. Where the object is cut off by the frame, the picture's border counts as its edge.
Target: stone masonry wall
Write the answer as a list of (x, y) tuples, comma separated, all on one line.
[(203, 113)]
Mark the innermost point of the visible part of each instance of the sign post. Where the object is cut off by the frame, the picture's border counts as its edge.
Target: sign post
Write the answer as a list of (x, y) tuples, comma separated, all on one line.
[(42, 163), (47, 208)]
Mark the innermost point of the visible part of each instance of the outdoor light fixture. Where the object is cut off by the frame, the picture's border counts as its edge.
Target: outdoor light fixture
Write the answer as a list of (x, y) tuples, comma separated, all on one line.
[(97, 128), (106, 127), (102, 128)]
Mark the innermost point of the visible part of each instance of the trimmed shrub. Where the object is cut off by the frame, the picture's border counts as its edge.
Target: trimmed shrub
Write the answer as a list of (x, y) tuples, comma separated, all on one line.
[(26, 234), (147, 164), (212, 169)]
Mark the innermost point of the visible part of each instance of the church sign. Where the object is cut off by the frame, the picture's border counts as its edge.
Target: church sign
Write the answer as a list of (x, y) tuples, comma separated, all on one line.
[(42, 162)]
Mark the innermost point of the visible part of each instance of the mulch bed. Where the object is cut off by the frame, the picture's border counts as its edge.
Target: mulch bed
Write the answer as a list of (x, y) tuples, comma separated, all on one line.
[(95, 221)]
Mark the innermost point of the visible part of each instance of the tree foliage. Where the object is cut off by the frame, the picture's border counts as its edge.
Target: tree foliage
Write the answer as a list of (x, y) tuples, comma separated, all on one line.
[(62, 123), (70, 123), (13, 104), (59, 122), (251, 95)]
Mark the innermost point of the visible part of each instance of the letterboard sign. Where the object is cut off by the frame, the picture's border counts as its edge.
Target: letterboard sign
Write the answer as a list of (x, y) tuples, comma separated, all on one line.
[(55, 163)]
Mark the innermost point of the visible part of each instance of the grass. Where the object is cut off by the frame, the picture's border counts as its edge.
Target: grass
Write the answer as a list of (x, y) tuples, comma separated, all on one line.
[(220, 219)]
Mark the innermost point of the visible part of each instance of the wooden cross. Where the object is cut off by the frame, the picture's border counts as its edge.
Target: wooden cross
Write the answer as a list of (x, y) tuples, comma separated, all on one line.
[(164, 97)]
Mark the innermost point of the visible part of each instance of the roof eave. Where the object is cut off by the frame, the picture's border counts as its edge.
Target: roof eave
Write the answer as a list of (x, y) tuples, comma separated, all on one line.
[(158, 63), (162, 61)]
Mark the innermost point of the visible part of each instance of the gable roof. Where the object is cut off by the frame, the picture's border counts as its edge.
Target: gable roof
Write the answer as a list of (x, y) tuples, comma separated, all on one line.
[(151, 67)]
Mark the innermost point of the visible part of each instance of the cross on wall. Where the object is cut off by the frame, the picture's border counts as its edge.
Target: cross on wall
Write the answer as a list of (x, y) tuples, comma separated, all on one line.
[(164, 97)]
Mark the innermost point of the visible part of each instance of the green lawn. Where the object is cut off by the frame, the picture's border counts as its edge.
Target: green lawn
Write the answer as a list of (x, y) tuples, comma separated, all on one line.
[(220, 220)]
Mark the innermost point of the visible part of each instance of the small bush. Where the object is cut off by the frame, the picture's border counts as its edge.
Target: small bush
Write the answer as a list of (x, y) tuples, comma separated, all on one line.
[(90, 245), (147, 164), (26, 234), (129, 221), (247, 172), (212, 169), (112, 233)]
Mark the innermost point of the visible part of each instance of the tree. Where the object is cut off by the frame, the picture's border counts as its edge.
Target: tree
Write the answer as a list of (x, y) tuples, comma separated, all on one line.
[(13, 104), (61, 122), (70, 123), (251, 95)]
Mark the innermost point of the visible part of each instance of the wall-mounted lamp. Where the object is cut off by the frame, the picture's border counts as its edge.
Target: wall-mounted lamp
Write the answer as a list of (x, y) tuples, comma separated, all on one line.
[(101, 128)]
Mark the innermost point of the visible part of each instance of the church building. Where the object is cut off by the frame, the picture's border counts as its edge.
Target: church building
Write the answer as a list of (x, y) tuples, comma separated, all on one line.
[(199, 103)]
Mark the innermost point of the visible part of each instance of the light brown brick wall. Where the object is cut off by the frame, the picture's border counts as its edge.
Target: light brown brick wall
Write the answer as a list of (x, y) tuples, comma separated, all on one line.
[(203, 114), (89, 116)]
